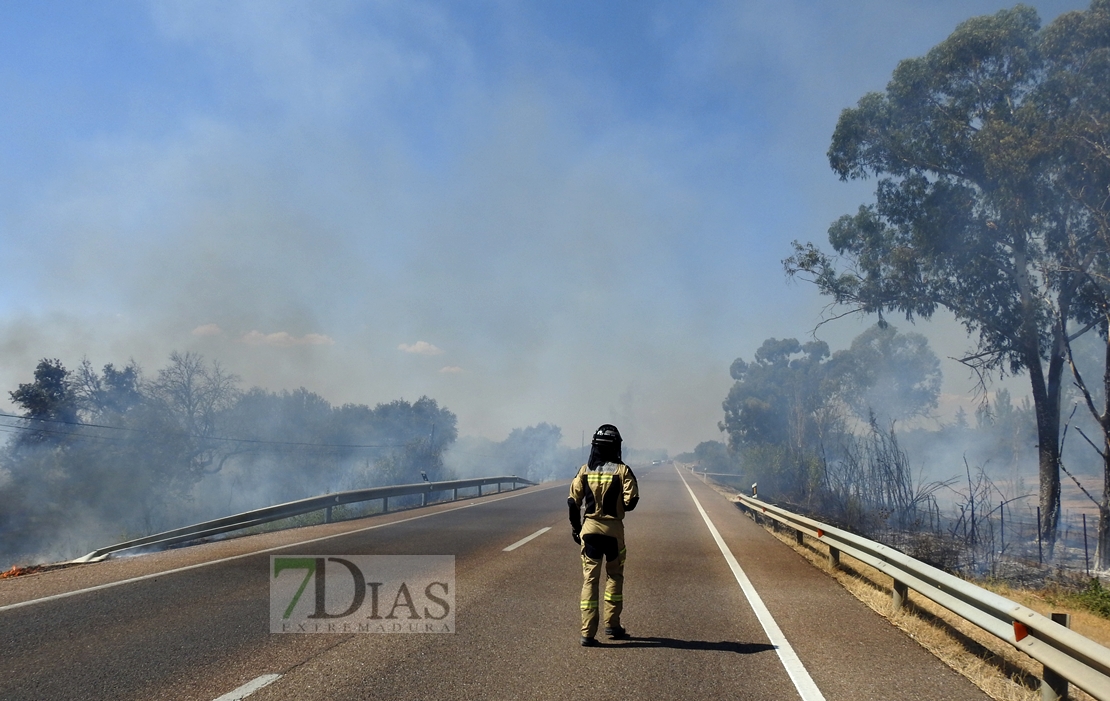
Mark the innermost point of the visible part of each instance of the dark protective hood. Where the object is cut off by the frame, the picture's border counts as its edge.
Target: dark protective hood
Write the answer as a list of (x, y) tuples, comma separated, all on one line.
[(605, 447)]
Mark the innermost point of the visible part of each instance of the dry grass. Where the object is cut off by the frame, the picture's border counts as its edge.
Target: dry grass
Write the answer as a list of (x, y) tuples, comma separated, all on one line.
[(993, 665), (1047, 601)]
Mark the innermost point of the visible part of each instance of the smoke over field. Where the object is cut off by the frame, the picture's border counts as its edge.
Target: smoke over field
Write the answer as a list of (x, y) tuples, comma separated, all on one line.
[(102, 456), (540, 214)]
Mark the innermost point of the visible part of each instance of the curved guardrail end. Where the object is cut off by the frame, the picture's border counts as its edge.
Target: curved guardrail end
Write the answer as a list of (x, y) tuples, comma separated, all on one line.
[(94, 556)]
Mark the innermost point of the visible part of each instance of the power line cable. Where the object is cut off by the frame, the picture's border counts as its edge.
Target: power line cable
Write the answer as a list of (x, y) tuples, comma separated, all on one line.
[(190, 435)]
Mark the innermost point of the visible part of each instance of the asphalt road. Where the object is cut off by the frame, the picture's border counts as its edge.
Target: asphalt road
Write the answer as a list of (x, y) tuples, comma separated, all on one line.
[(193, 623)]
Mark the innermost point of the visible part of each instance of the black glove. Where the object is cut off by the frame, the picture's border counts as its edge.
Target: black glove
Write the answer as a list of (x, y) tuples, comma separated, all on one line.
[(577, 538), (575, 517)]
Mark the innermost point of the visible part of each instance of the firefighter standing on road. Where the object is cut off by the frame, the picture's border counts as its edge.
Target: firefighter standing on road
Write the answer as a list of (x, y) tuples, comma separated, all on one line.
[(607, 488)]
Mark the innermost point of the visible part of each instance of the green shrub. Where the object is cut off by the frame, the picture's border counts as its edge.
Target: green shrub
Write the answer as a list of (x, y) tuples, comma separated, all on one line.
[(1095, 598)]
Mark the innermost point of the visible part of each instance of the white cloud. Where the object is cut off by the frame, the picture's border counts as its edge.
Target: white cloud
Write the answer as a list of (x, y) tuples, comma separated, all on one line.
[(420, 348), (451, 369), (207, 330), (283, 339)]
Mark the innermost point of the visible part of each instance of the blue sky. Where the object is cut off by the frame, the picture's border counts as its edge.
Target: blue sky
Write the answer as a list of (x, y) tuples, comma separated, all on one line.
[(560, 211)]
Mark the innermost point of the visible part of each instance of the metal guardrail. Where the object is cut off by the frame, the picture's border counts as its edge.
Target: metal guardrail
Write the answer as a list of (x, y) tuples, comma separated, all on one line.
[(303, 506), (1066, 655)]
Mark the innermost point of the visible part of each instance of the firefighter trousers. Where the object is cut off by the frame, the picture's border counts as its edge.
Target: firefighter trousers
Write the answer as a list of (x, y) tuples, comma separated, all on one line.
[(595, 548)]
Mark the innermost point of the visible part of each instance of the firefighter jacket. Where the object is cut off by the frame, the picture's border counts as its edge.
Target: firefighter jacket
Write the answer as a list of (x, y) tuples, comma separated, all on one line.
[(607, 491)]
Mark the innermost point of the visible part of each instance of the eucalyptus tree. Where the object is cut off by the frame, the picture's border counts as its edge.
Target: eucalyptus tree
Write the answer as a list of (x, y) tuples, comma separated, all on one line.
[(1073, 103), (888, 375), (786, 414), (968, 215), (779, 414)]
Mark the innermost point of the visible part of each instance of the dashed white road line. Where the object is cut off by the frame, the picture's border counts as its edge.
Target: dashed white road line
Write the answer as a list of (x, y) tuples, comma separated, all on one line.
[(207, 563), (249, 688), (807, 689), (522, 541)]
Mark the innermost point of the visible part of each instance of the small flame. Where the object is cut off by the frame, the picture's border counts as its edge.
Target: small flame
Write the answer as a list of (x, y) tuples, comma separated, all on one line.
[(17, 571)]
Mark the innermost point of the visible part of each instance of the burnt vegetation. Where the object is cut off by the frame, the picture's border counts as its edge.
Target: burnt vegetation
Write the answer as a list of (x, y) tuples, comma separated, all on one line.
[(97, 456)]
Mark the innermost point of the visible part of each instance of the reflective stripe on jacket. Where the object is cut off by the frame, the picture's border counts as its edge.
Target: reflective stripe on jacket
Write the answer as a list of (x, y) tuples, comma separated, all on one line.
[(606, 491)]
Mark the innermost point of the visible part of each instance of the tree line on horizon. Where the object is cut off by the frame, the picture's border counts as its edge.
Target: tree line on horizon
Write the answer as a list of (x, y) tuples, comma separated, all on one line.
[(110, 455), (114, 453), (853, 434)]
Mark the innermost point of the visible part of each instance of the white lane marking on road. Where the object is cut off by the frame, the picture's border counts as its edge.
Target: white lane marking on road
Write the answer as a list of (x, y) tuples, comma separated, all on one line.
[(522, 541), (807, 689), (198, 565), (249, 688)]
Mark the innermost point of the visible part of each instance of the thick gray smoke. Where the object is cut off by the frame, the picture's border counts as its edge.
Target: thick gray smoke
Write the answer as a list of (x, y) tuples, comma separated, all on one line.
[(802, 420), (104, 456), (529, 211)]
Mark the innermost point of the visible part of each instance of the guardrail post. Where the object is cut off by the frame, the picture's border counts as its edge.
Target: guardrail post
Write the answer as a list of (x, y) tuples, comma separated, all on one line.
[(327, 515), (455, 494), (479, 490), (799, 537), (498, 487), (385, 505), (834, 557), (898, 594), (423, 498), (1053, 686)]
